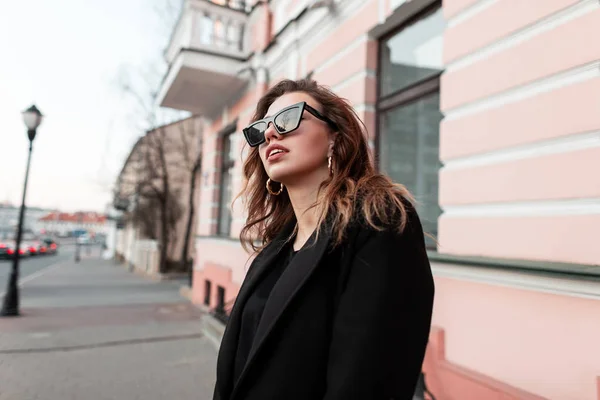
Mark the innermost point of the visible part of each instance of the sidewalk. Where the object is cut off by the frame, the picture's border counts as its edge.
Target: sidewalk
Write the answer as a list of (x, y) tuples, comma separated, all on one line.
[(93, 330)]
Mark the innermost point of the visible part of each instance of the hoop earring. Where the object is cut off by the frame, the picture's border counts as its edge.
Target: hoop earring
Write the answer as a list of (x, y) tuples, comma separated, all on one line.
[(271, 192), (329, 165)]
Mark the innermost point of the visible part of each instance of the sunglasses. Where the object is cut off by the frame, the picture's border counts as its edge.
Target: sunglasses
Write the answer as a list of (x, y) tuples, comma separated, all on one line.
[(284, 121)]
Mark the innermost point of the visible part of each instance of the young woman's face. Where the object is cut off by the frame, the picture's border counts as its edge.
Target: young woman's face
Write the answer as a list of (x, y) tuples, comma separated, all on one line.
[(304, 150)]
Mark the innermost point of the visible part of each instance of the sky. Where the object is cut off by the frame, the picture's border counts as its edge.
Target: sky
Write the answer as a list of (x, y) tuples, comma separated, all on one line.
[(69, 57)]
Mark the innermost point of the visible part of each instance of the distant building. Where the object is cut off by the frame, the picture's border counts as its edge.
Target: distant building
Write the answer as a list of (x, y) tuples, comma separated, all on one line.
[(9, 217), (64, 224)]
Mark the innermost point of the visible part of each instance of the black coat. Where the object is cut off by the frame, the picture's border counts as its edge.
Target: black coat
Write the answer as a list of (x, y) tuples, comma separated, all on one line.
[(342, 324)]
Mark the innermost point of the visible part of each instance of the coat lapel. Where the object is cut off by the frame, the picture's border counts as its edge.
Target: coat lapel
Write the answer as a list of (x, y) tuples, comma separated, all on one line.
[(229, 343), (293, 278)]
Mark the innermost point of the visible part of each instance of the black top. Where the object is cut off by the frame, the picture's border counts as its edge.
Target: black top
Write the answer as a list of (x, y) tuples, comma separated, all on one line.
[(255, 305)]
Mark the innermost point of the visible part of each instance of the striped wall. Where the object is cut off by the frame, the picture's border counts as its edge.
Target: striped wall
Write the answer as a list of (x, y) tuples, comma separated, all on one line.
[(520, 140), (341, 56)]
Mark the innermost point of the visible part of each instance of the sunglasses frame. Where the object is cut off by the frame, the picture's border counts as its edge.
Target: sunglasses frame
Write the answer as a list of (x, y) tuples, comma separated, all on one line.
[(302, 105)]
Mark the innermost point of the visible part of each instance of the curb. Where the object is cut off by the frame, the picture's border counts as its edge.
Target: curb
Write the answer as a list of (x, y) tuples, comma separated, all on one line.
[(212, 328)]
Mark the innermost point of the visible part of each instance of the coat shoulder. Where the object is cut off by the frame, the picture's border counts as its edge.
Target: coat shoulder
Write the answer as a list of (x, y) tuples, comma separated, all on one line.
[(390, 219)]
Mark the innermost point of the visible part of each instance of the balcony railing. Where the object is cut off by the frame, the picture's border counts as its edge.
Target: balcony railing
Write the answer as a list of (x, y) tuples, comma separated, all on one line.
[(236, 4), (211, 27)]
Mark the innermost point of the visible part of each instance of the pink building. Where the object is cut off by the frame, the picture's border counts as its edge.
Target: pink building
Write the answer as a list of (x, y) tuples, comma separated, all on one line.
[(488, 110)]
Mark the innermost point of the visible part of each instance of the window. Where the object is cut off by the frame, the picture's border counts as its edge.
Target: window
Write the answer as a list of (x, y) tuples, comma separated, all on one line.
[(220, 299), (225, 194), (207, 292), (409, 111)]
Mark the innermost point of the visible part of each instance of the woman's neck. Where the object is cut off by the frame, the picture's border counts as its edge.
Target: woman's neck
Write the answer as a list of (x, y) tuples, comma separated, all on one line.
[(302, 198), (303, 192)]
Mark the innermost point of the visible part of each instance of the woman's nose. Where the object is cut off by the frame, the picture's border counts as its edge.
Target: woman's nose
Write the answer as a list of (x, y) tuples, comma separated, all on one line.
[(271, 132)]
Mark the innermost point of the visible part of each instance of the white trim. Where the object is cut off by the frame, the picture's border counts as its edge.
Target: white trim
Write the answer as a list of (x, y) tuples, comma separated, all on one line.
[(357, 76), (211, 187), (470, 12), (525, 209), (318, 23), (381, 11), (365, 107), (517, 280), (217, 241), (342, 53), (546, 24), (574, 142), (522, 92)]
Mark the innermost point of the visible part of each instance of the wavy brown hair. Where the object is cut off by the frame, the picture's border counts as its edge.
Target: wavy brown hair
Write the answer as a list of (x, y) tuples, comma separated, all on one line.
[(355, 186)]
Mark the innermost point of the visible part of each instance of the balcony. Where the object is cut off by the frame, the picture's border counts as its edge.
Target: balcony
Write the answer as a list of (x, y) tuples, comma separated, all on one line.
[(207, 51)]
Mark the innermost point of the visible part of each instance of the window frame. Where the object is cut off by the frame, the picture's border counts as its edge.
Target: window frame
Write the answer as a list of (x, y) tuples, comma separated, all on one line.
[(226, 166), (405, 15), (419, 9)]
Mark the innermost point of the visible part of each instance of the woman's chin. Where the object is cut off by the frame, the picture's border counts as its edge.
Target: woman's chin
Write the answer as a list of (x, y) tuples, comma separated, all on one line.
[(278, 174)]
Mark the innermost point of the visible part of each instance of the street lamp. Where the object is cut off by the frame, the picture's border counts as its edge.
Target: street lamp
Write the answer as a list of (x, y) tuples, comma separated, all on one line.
[(10, 307)]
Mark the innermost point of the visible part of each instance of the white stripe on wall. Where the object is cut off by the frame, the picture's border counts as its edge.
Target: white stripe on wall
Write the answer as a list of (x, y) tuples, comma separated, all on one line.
[(470, 12), (362, 39), (318, 23), (559, 145), (546, 24), (358, 76), (364, 107), (211, 187), (513, 279), (525, 209), (557, 81)]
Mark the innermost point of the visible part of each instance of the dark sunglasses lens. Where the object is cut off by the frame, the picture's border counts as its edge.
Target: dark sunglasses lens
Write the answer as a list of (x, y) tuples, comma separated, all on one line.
[(288, 120), (255, 133)]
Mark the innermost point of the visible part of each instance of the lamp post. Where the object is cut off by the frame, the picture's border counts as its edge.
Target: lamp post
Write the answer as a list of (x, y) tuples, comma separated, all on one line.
[(10, 306)]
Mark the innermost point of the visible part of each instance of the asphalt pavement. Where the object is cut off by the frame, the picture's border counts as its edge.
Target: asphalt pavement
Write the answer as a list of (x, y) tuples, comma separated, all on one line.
[(94, 330), (31, 266)]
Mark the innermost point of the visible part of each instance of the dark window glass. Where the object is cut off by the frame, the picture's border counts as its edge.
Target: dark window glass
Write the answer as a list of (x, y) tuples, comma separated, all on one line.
[(410, 153), (412, 55), (220, 299), (409, 112), (207, 292)]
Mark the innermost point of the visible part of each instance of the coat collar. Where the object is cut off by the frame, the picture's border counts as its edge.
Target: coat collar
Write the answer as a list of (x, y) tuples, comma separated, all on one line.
[(293, 278)]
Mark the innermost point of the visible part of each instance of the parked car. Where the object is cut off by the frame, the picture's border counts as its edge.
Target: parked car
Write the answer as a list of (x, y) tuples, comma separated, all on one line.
[(33, 246), (84, 239), (7, 250), (51, 245), (3, 250)]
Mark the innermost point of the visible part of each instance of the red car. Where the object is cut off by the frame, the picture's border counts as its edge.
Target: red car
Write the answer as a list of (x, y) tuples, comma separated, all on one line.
[(7, 250)]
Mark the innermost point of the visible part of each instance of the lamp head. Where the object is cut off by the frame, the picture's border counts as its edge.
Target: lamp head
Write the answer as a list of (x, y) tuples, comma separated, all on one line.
[(32, 117)]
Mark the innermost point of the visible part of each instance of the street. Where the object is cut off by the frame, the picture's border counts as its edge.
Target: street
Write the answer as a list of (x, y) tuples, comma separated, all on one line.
[(93, 330), (32, 265)]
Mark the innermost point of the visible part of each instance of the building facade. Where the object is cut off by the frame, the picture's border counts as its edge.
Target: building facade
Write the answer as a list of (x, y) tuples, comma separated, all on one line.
[(163, 165), (64, 224), (487, 110), (9, 218)]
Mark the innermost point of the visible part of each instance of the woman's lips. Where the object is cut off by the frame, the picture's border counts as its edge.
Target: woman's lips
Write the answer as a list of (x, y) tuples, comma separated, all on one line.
[(276, 156)]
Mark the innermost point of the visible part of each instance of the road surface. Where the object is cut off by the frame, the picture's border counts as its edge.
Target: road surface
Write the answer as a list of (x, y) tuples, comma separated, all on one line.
[(92, 330), (31, 266)]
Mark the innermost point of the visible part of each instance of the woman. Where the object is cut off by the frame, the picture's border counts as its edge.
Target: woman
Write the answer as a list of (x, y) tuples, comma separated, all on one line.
[(337, 303)]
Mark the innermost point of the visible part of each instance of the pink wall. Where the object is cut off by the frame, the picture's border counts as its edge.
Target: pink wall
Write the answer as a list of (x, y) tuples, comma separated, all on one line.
[(499, 342), (559, 49), (546, 344), (499, 20)]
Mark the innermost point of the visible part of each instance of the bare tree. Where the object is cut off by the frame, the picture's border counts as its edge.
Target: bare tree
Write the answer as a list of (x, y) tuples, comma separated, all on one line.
[(190, 137), (164, 159)]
